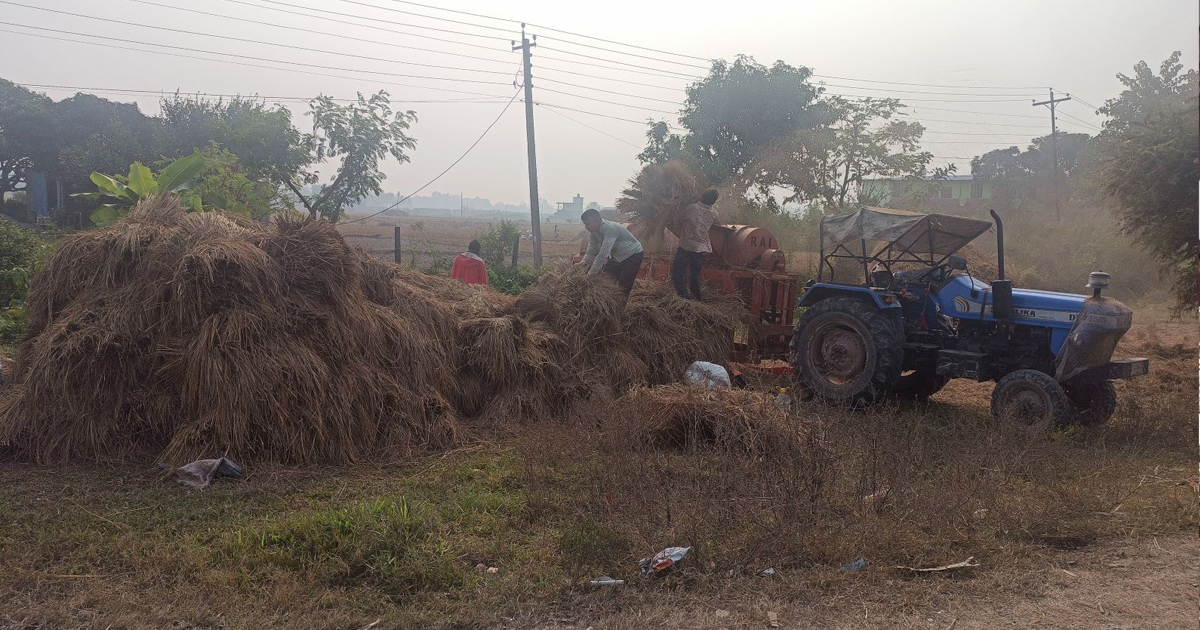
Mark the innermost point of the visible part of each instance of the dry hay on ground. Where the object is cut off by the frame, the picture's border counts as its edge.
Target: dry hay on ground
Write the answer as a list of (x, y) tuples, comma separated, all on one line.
[(688, 417), (175, 335), (668, 333)]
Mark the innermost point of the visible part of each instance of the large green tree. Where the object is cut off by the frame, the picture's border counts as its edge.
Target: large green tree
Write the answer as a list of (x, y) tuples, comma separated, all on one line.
[(1022, 179), (262, 137), (768, 134), (24, 122), (358, 136), (1147, 160)]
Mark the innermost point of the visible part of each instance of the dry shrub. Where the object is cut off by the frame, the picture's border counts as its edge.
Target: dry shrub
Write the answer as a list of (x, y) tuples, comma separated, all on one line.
[(656, 196)]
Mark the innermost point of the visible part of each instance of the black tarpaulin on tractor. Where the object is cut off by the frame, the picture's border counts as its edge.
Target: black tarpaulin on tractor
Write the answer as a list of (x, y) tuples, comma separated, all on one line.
[(1098, 328)]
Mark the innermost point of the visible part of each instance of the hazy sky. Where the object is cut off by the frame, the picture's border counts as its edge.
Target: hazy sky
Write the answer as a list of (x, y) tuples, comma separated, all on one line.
[(1076, 47)]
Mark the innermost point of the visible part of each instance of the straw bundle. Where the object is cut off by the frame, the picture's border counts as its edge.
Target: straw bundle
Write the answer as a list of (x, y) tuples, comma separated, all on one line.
[(737, 421), (656, 196)]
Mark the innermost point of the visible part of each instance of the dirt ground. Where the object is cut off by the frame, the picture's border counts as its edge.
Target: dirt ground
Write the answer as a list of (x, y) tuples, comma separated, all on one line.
[(114, 545), (1136, 583)]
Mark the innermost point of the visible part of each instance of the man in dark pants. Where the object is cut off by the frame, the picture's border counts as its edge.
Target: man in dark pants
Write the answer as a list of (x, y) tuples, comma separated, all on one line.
[(612, 249), (692, 229)]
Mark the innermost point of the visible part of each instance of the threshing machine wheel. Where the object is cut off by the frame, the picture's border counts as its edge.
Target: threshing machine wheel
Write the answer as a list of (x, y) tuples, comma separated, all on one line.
[(846, 350), (1030, 402), (1092, 403)]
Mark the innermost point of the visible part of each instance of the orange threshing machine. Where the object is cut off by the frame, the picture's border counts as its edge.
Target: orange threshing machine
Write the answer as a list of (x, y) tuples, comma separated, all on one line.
[(746, 261)]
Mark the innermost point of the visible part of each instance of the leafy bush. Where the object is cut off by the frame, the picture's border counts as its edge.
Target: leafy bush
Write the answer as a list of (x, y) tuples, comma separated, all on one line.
[(21, 252), (512, 280), (497, 243)]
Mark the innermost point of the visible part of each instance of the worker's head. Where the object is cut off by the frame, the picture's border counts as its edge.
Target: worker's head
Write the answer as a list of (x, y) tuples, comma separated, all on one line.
[(591, 219), (474, 247), (709, 197)]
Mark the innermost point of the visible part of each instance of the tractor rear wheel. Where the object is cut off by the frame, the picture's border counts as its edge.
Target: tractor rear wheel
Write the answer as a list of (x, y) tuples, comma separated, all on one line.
[(846, 350), (1030, 402), (1092, 403)]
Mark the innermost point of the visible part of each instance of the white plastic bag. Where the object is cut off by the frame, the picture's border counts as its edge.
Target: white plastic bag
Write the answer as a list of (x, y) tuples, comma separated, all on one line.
[(707, 374)]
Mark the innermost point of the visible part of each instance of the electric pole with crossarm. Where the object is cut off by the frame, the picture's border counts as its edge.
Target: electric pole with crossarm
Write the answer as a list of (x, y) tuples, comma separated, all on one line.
[(1053, 144), (533, 183)]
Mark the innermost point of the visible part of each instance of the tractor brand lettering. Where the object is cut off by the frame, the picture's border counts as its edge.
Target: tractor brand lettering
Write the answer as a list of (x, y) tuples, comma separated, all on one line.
[(765, 243), (964, 306)]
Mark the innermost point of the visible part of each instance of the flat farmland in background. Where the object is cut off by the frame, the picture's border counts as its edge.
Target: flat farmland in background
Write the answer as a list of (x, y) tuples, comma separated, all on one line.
[(433, 242)]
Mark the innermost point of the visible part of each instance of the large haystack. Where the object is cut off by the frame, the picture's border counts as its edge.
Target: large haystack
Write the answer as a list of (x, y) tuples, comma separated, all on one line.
[(175, 335), (180, 335)]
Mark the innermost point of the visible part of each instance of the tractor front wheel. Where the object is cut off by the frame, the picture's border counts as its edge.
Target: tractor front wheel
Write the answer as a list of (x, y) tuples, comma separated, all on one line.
[(846, 350), (1030, 402), (1092, 403)]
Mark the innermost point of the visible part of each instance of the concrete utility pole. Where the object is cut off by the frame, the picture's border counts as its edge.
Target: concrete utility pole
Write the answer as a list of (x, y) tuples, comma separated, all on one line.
[(533, 185), (1054, 146)]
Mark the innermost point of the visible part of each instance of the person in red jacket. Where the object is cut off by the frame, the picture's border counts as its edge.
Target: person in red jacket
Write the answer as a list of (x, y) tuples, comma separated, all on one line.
[(469, 267)]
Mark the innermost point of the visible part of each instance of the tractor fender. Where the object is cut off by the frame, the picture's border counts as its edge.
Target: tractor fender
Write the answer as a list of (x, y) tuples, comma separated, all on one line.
[(823, 290)]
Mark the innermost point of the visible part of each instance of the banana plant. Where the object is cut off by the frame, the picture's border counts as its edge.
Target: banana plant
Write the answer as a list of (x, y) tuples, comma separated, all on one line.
[(123, 193)]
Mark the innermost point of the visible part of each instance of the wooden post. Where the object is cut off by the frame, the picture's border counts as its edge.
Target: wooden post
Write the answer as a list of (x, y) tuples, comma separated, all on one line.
[(396, 240)]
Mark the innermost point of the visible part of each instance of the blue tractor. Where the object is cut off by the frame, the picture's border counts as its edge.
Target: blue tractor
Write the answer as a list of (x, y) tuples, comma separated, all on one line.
[(917, 318)]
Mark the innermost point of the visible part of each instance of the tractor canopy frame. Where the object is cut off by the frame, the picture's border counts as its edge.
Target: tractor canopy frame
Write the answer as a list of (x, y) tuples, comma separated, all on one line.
[(886, 237)]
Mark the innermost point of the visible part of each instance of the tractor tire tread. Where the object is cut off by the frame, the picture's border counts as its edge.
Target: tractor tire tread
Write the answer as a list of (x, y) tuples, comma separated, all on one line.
[(886, 338), (1060, 405)]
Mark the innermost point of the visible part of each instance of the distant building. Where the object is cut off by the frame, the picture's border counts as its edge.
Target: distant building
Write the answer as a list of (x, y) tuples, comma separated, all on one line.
[(569, 211), (960, 190)]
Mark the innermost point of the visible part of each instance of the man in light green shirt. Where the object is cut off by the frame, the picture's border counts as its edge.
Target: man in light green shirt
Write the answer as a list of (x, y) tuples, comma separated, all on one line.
[(611, 249)]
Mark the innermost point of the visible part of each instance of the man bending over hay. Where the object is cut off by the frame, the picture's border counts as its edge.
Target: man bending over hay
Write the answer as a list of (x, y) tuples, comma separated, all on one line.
[(469, 267), (692, 229), (612, 249)]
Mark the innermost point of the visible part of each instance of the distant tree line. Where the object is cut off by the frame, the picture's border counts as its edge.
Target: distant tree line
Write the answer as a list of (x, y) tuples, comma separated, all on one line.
[(254, 153)]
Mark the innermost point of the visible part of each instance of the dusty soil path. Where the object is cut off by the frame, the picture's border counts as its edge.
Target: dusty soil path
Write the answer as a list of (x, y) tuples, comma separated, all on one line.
[(1148, 583)]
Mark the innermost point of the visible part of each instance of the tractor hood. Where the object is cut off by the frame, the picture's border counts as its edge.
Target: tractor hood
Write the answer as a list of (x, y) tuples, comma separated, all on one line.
[(966, 297)]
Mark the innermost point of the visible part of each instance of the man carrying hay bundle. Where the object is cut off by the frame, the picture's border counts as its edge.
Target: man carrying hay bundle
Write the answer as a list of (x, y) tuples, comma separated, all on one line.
[(469, 267), (691, 226), (611, 248)]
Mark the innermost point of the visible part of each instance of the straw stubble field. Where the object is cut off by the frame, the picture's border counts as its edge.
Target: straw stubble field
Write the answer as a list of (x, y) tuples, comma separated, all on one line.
[(562, 464)]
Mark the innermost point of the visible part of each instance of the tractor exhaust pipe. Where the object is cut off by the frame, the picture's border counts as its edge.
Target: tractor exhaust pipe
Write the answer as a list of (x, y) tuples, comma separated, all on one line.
[(999, 244), (1002, 297)]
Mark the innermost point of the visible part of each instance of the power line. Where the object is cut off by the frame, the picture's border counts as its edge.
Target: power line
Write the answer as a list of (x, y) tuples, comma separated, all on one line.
[(243, 96), (374, 19), (621, 63), (855, 87), (242, 39), (860, 97), (558, 113), (431, 17), (971, 122), (1081, 121), (583, 111), (243, 64), (595, 89), (297, 63), (447, 169), (600, 100), (355, 24), (649, 72), (975, 112), (338, 35), (937, 85), (593, 76)]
